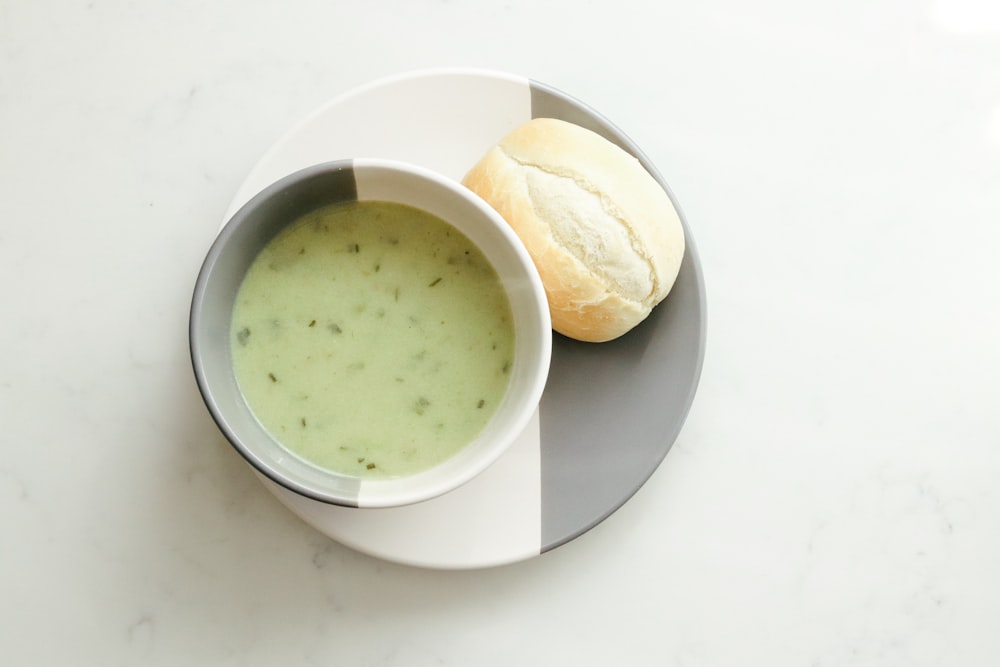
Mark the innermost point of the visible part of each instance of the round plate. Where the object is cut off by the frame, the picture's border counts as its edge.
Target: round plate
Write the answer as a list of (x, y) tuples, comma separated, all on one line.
[(610, 411)]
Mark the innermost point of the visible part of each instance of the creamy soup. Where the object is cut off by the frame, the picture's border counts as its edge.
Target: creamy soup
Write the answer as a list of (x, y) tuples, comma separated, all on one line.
[(372, 339)]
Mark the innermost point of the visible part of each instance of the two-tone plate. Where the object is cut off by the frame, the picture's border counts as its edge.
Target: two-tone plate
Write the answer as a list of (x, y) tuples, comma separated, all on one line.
[(610, 411)]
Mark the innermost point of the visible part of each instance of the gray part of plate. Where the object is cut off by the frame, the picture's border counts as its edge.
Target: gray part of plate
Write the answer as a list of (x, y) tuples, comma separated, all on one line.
[(611, 411), (249, 230)]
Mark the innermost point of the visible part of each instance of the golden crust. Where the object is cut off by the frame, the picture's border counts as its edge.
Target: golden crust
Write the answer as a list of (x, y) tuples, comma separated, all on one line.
[(585, 303)]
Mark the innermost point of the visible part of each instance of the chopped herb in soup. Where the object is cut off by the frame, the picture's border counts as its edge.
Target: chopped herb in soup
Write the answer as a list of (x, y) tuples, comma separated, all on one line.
[(372, 338)]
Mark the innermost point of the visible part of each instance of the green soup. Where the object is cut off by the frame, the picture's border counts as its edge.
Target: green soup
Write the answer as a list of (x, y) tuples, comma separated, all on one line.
[(372, 339)]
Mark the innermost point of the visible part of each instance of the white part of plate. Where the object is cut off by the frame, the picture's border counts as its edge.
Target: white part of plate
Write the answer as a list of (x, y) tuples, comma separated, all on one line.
[(590, 445), (496, 518), (442, 120), (492, 520)]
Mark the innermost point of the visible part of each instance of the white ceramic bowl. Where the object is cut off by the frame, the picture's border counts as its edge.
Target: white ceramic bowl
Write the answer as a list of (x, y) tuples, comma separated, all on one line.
[(283, 202)]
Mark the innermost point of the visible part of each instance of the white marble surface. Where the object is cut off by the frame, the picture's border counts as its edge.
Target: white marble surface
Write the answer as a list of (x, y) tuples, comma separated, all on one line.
[(833, 498)]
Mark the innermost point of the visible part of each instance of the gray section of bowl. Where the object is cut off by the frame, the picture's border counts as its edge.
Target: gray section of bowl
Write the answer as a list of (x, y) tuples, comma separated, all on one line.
[(635, 391), (246, 233)]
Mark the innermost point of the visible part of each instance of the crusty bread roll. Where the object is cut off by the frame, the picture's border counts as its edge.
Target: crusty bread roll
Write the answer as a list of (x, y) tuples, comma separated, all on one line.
[(604, 235)]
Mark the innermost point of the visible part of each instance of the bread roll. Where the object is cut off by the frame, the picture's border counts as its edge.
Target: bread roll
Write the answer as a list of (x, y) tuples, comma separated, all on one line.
[(604, 235)]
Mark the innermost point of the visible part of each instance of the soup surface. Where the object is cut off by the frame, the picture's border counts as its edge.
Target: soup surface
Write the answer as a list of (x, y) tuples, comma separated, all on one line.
[(372, 338)]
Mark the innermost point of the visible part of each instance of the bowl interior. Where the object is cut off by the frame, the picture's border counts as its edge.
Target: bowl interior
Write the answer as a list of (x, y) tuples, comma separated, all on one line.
[(267, 214)]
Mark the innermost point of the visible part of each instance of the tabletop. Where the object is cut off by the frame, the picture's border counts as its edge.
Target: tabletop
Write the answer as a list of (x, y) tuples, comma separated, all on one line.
[(831, 498)]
